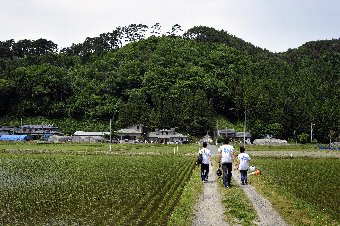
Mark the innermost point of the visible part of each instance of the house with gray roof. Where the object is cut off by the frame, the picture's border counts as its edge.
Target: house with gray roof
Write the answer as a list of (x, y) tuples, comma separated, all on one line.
[(236, 136), (166, 136), (83, 136), (226, 132), (8, 130), (132, 133), (136, 132), (39, 131)]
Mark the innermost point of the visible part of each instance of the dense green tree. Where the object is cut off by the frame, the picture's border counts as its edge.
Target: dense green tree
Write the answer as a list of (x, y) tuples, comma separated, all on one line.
[(6, 49), (175, 81), (7, 90), (42, 90)]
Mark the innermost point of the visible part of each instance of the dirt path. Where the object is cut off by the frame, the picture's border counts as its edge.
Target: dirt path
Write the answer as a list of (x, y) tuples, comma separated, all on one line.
[(264, 209), (209, 210), (310, 154)]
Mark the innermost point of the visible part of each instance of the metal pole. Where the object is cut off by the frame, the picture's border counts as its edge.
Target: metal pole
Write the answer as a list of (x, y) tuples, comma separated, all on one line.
[(110, 130), (216, 133), (244, 129), (311, 132)]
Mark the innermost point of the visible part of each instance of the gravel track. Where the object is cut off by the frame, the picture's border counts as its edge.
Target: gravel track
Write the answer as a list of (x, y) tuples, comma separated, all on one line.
[(209, 210), (264, 209)]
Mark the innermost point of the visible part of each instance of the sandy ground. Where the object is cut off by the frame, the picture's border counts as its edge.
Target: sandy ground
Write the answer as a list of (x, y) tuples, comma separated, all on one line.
[(209, 210)]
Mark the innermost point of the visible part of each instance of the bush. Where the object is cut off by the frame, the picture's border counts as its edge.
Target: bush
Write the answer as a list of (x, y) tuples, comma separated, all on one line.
[(303, 138)]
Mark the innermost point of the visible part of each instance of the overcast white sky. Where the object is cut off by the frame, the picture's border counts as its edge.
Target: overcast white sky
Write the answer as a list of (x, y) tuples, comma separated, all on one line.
[(272, 24)]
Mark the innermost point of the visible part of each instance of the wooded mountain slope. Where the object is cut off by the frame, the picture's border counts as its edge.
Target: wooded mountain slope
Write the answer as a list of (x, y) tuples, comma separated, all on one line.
[(183, 81)]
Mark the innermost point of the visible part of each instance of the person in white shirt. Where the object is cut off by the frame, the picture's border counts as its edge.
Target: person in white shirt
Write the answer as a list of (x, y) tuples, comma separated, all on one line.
[(205, 161), (226, 154), (242, 161)]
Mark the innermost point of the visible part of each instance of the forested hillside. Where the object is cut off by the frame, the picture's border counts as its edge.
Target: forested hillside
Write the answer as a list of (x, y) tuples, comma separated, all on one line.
[(185, 81)]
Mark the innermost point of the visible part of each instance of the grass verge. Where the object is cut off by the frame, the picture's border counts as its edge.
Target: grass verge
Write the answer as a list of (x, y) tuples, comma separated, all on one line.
[(182, 214), (238, 207)]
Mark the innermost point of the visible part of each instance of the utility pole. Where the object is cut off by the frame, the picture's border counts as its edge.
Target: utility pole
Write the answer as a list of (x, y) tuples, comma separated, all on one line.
[(244, 129), (311, 132), (110, 130), (216, 131)]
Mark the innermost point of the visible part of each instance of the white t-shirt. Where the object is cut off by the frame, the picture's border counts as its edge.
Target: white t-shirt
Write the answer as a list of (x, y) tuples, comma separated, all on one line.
[(227, 151), (205, 154), (243, 159)]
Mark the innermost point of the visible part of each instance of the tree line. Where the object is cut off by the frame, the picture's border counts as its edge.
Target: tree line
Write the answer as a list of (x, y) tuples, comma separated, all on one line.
[(136, 74)]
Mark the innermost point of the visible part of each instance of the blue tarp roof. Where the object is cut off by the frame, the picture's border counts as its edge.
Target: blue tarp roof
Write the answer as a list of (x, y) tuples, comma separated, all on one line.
[(14, 137)]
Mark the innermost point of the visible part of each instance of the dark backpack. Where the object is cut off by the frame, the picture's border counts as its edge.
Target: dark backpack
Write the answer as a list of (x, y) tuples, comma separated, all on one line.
[(199, 158)]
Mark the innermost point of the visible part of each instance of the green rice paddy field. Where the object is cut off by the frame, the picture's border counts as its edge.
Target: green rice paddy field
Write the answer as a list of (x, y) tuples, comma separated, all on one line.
[(93, 184), (71, 185), (313, 185)]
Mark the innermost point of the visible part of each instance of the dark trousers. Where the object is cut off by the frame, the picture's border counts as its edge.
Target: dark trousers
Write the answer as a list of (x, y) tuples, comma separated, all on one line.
[(227, 169), (204, 171), (244, 176)]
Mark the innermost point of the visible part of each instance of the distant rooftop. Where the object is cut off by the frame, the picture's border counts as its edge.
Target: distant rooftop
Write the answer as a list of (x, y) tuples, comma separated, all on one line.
[(82, 133), (128, 131), (39, 126)]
